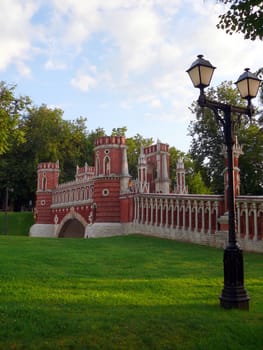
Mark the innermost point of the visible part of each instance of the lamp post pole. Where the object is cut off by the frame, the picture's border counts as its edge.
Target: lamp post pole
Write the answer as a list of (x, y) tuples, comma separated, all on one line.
[(234, 294)]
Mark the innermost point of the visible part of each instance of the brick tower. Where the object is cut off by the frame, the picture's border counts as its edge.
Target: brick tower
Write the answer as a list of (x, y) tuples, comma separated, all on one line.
[(111, 180), (158, 161), (47, 181)]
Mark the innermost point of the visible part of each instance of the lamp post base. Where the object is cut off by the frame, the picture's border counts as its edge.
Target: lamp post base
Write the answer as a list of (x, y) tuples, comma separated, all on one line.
[(234, 294)]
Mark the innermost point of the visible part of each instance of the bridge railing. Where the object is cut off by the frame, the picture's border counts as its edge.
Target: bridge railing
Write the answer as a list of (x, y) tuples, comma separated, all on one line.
[(199, 213), (250, 217), (196, 213)]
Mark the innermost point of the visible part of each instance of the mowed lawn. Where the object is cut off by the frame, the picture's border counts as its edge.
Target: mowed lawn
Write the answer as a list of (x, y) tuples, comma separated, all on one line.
[(130, 292)]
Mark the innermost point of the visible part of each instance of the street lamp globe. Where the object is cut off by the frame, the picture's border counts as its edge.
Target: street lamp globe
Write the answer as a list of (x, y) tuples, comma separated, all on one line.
[(201, 72), (248, 85)]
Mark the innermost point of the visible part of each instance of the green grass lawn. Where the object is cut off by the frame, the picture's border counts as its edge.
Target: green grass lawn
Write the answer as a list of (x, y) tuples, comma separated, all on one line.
[(122, 293)]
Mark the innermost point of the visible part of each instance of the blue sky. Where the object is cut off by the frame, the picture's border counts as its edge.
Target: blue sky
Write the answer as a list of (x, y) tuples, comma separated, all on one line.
[(119, 62)]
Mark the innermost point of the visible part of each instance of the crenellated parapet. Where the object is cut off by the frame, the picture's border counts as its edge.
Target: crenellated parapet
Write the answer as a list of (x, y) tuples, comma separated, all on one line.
[(84, 173), (110, 140), (48, 165), (159, 147), (48, 175)]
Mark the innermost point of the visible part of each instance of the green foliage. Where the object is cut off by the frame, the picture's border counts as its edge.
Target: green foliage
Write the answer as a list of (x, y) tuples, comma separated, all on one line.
[(119, 131), (193, 179), (16, 224), (11, 109), (122, 293), (133, 147), (44, 128), (133, 151), (92, 136), (243, 17), (196, 184), (207, 137), (259, 111), (47, 137), (251, 162), (74, 148)]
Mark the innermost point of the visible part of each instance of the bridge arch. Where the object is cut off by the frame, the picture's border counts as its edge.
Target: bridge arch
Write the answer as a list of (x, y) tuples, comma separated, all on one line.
[(73, 225)]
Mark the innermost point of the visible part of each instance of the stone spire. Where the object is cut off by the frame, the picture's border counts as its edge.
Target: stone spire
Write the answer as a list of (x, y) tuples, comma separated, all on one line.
[(142, 172), (181, 188)]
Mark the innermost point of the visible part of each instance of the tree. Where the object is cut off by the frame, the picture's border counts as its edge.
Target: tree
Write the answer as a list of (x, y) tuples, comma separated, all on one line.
[(193, 179), (207, 137), (196, 184), (133, 151), (47, 138), (74, 148), (259, 73), (243, 16), (119, 131), (11, 109), (18, 166), (251, 162), (207, 141)]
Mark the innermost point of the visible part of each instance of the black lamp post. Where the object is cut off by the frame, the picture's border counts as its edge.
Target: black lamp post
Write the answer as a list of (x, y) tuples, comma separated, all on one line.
[(234, 294)]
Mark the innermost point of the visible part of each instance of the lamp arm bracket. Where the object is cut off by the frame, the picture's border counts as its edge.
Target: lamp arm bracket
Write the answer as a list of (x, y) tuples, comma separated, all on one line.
[(227, 109)]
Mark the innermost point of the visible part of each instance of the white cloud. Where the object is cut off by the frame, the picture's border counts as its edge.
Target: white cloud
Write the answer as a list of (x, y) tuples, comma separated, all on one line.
[(156, 103), (151, 100), (80, 22), (135, 50), (55, 65), (15, 34), (23, 69), (125, 105), (135, 29), (144, 48), (83, 82), (162, 117), (136, 36)]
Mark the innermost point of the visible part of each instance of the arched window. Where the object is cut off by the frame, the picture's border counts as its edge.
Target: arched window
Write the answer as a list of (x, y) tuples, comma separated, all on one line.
[(106, 165), (97, 166), (90, 192), (44, 182)]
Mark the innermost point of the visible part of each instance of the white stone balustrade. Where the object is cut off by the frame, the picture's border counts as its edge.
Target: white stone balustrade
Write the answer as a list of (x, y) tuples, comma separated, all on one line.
[(250, 217), (198, 214), (182, 212)]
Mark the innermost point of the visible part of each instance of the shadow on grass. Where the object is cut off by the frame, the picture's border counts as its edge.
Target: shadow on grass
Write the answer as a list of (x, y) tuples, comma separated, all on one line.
[(63, 325)]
